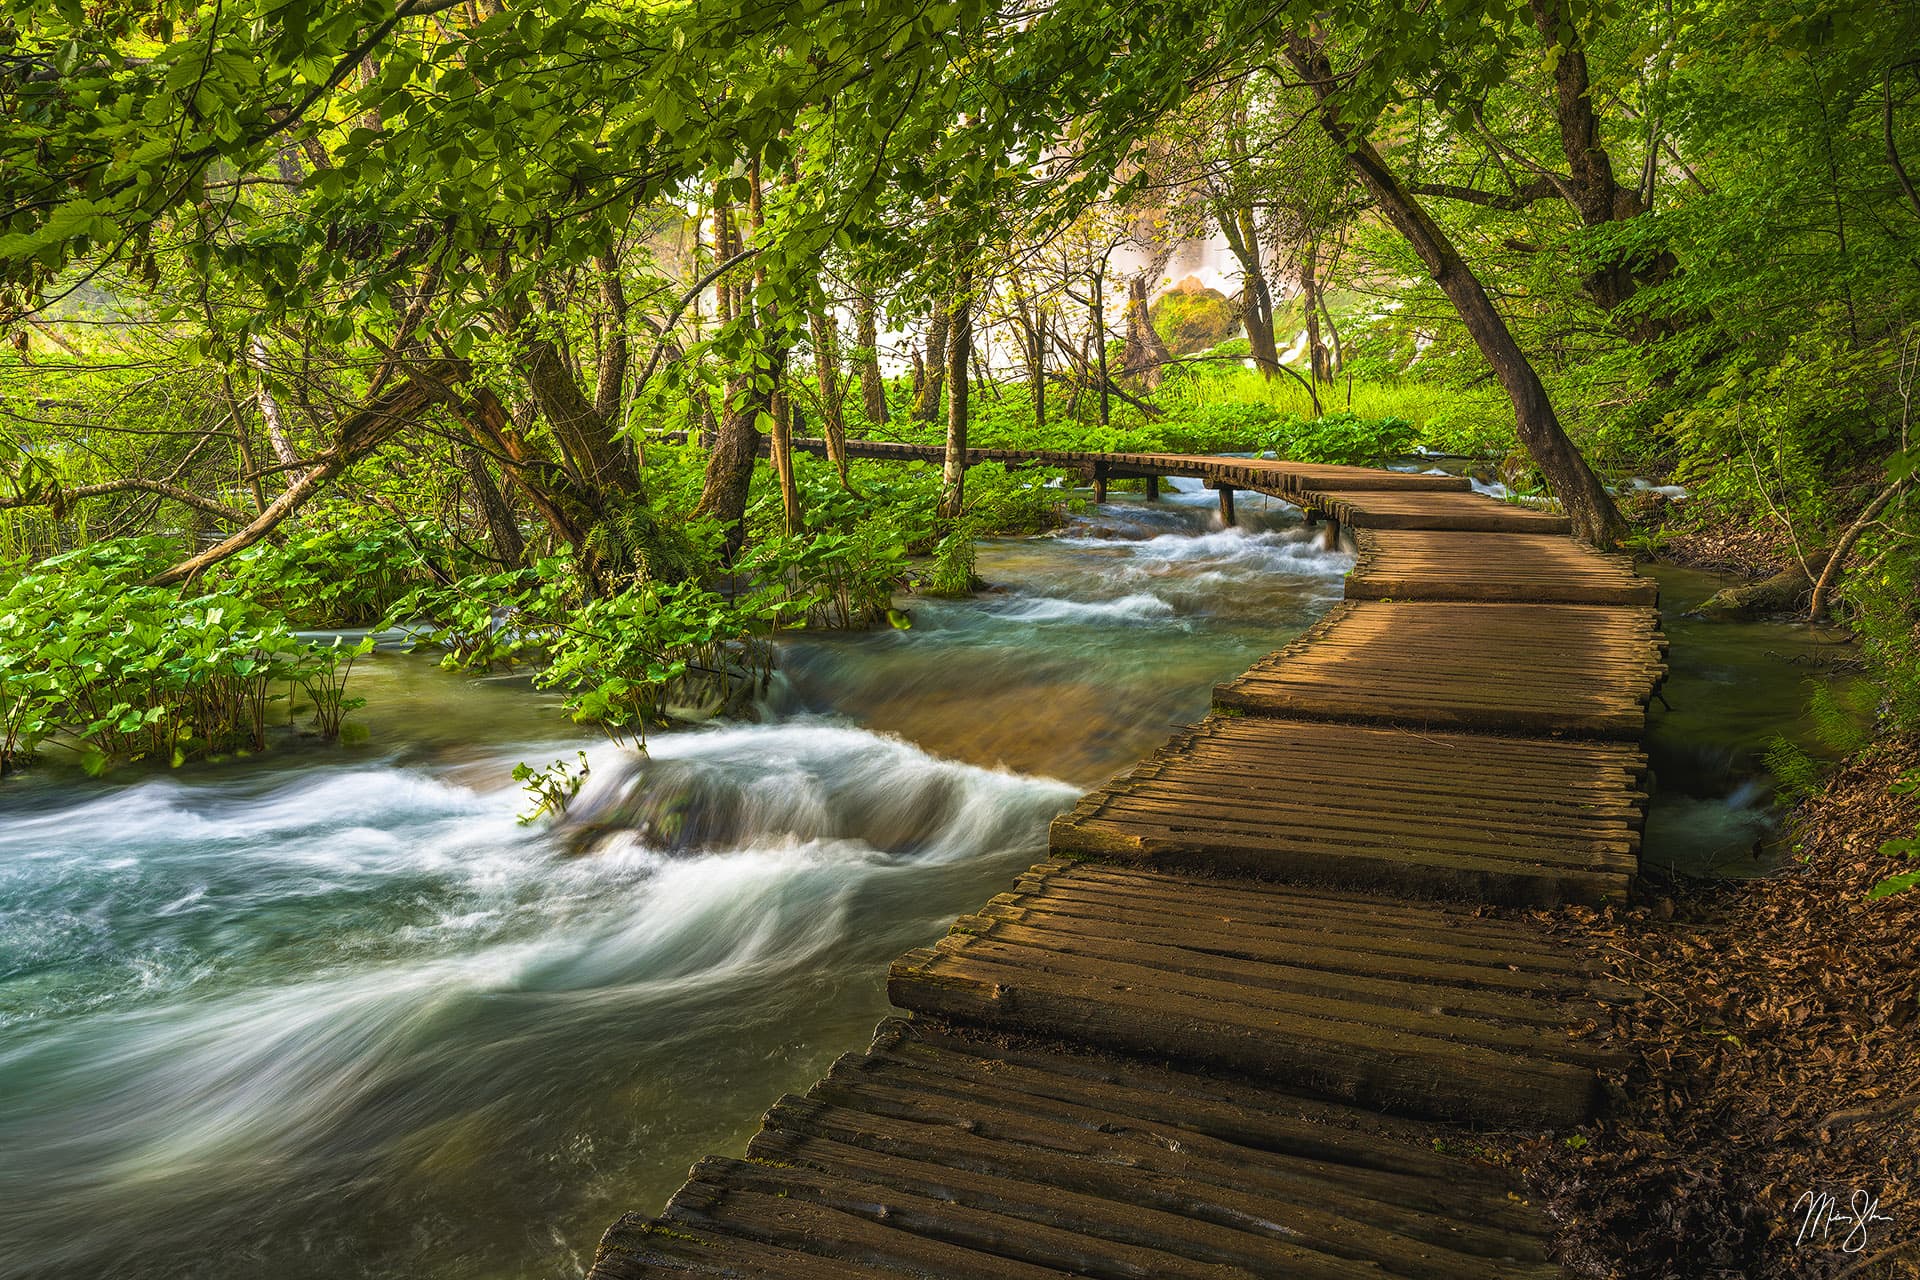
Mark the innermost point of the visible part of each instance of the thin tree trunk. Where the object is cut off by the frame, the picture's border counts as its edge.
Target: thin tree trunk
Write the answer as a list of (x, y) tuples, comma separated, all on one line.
[(926, 407), (1823, 588), (953, 476), (1585, 500), (269, 407), (1320, 367), (1100, 343), (833, 420), (780, 453), (873, 386), (1034, 347)]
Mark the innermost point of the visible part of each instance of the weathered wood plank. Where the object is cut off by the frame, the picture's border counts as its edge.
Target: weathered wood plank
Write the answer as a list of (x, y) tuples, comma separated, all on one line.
[(1430, 564), (1504, 668)]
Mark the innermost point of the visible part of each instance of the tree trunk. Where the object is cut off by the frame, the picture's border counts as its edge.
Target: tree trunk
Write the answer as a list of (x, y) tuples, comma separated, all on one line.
[(1034, 346), (1584, 498), (833, 421), (566, 507), (953, 475), (1146, 356), (508, 545), (780, 453), (736, 445), (269, 407), (1590, 185), (1100, 343), (873, 387), (1242, 235), (585, 436), (926, 405), (1321, 366), (609, 385)]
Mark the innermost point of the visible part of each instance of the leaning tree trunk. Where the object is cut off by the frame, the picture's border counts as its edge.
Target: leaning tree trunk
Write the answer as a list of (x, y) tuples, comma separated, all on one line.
[(505, 530), (1145, 356), (953, 475), (361, 433), (1586, 501)]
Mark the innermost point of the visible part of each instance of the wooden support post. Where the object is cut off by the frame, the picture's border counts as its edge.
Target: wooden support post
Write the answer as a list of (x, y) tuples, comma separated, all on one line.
[(1099, 482), (1332, 542), (1226, 505), (1153, 488)]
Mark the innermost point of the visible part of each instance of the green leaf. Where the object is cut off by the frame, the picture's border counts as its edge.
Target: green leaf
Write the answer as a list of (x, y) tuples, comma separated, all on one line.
[(1894, 884)]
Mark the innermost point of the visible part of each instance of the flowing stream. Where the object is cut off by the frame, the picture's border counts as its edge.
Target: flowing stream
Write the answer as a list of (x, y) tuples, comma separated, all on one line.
[(335, 1013)]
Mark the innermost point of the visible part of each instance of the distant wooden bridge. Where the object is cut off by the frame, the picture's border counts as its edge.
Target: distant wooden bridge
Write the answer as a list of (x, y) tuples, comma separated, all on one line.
[(1231, 1025)]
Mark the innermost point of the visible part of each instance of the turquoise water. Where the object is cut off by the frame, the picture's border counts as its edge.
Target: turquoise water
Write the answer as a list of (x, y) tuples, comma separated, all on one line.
[(335, 1013)]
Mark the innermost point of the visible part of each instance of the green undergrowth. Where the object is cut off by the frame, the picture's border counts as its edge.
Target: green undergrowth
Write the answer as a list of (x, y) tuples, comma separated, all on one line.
[(108, 671)]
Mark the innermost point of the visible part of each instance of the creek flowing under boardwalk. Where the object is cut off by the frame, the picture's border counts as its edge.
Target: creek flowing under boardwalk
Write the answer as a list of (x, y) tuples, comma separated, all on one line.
[(1229, 1026)]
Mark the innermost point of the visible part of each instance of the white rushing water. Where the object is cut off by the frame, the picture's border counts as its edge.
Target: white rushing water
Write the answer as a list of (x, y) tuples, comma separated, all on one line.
[(336, 1013)]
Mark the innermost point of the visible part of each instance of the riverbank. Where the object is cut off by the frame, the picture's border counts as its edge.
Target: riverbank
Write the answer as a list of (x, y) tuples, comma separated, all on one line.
[(1772, 1061)]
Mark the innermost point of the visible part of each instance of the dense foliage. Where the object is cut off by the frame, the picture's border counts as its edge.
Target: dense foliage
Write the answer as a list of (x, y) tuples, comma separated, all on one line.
[(386, 309)]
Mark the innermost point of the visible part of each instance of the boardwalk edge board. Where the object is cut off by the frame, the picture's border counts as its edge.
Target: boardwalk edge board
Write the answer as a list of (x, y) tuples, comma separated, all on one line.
[(1229, 1027)]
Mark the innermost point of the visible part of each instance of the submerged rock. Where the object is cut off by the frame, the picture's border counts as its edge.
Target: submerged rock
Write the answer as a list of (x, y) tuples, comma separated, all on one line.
[(701, 805)]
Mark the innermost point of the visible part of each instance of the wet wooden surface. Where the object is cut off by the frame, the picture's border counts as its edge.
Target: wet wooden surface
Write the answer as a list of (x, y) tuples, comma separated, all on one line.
[(1398, 810), (1545, 669), (1223, 1029), (1427, 564), (939, 1155)]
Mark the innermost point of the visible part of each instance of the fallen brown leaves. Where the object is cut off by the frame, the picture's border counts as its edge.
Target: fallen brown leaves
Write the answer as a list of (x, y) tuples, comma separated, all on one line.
[(1774, 1055)]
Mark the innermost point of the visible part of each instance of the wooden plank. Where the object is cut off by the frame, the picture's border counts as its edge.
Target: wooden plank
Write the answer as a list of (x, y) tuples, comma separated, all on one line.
[(1415, 1072), (1460, 512), (1515, 820), (1427, 564), (931, 1154), (1505, 668), (637, 1248)]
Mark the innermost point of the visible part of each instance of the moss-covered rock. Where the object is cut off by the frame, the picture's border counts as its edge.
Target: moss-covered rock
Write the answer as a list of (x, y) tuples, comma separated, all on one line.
[(1191, 317)]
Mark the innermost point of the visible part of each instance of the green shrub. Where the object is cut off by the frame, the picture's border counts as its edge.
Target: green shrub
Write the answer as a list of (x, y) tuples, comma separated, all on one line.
[(118, 671), (656, 653), (1345, 438), (951, 571), (338, 569)]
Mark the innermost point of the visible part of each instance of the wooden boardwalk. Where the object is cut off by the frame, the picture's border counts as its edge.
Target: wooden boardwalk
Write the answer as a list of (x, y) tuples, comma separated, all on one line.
[(1235, 1023)]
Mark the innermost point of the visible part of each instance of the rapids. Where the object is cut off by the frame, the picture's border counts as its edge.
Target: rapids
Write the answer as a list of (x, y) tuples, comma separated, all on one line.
[(336, 1013)]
